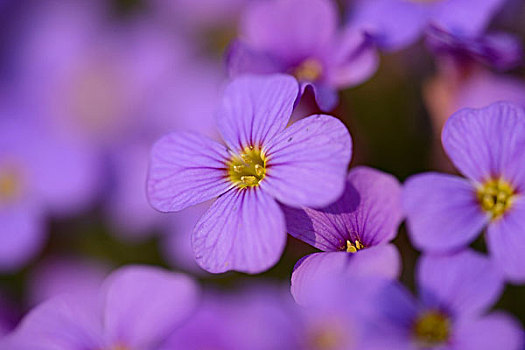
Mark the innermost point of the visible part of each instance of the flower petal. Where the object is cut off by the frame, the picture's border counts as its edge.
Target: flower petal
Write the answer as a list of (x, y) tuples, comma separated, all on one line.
[(383, 261), (494, 331), (465, 283), (442, 211), (243, 230), (458, 16), (506, 242), (483, 143), (368, 210), (22, 234), (307, 162), (292, 29), (145, 304), (255, 109), (242, 59), (186, 169)]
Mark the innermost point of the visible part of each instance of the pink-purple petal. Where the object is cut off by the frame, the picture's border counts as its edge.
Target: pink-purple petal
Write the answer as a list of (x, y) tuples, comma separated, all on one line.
[(307, 162), (506, 242), (255, 109), (466, 283), (144, 305), (494, 331), (484, 143), (243, 230), (381, 261), (186, 169), (442, 211)]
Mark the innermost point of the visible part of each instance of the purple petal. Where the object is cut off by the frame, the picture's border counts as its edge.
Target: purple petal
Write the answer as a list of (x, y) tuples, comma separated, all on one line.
[(255, 109), (242, 59), (186, 169), (369, 210), (459, 16), (442, 211), (64, 322), (307, 163), (22, 234), (494, 331), (326, 96), (145, 304), (243, 230), (463, 284), (393, 24), (291, 29), (484, 142), (506, 242), (381, 261)]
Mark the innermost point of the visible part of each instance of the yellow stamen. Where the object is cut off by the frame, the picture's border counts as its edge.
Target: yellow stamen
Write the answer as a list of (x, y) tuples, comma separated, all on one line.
[(496, 197), (249, 168), (353, 248), (309, 70), (10, 185), (431, 328)]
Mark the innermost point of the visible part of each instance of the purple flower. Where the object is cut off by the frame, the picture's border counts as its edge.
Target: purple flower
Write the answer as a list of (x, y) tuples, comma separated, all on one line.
[(394, 24), (455, 293), (353, 232), (499, 50), (263, 162), (446, 212), (39, 176), (301, 38), (138, 307)]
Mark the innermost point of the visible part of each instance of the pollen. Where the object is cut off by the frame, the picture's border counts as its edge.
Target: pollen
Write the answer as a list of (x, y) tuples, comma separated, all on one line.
[(431, 328), (495, 197), (249, 168), (9, 184), (354, 247), (309, 70)]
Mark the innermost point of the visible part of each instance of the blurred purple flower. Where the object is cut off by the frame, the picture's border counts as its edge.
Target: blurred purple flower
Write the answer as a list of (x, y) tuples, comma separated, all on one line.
[(499, 50), (259, 317), (394, 24), (138, 307), (39, 176), (446, 212), (455, 292), (353, 233), (263, 162), (301, 38)]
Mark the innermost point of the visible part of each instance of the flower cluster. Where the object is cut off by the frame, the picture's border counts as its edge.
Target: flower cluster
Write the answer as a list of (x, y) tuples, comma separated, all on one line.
[(247, 174)]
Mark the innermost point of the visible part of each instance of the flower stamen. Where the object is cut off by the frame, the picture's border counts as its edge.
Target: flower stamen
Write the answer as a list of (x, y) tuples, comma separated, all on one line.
[(431, 328), (309, 70), (496, 197), (354, 247), (249, 168)]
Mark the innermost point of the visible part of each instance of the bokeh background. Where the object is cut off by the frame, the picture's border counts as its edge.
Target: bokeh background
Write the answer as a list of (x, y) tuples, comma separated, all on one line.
[(95, 83)]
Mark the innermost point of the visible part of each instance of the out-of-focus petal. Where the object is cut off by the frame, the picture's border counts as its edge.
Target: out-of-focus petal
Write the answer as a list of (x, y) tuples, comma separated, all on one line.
[(144, 305), (255, 109), (294, 29), (465, 283), (442, 211), (506, 242), (307, 162), (494, 331), (485, 142), (383, 261), (242, 59), (243, 230), (186, 169)]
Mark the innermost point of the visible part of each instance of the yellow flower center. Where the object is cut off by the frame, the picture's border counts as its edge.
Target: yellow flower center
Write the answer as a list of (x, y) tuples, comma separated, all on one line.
[(10, 185), (354, 247), (309, 70), (328, 335), (431, 328), (249, 168), (495, 197)]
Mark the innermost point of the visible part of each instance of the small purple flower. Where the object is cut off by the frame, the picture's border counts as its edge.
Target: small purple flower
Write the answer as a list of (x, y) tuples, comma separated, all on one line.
[(455, 292), (394, 24), (263, 162), (446, 212), (138, 307), (353, 232), (499, 50), (301, 38)]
